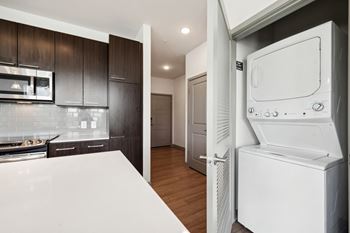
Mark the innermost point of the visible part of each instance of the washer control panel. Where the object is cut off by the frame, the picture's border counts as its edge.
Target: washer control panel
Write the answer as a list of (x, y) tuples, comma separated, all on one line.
[(314, 109)]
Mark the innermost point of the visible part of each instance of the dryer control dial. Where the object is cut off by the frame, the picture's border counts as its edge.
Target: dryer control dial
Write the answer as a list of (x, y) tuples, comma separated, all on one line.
[(251, 110), (275, 114), (318, 107), (267, 114)]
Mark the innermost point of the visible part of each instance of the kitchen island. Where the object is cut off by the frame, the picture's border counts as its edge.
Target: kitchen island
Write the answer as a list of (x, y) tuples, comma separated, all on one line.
[(95, 193)]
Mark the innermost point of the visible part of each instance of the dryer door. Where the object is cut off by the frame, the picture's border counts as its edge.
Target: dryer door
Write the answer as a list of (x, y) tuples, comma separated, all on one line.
[(291, 72)]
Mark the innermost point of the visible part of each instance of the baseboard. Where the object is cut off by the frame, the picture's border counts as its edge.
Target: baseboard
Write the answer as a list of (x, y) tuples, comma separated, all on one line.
[(178, 147)]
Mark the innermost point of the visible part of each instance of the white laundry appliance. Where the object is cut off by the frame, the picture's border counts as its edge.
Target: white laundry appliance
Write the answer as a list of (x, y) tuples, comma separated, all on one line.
[(295, 181)]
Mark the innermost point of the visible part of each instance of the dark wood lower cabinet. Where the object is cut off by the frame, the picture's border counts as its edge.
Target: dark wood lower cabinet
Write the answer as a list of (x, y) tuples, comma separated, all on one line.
[(64, 149), (75, 148), (94, 146), (131, 147)]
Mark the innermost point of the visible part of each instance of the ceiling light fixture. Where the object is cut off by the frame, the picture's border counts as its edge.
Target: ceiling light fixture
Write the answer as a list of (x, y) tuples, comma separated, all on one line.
[(185, 30), (166, 67)]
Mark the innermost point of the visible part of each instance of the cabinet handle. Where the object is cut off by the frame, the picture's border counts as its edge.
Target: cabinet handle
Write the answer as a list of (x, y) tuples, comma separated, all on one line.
[(116, 137), (29, 66), (73, 102), (92, 103), (65, 149), (7, 63), (96, 146), (116, 78)]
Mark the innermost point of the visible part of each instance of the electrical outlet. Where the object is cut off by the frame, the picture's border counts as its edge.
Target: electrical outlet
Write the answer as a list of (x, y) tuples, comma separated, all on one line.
[(83, 124), (93, 124)]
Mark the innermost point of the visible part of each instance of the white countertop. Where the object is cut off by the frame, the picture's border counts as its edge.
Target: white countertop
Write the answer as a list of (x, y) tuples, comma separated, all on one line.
[(76, 137), (95, 193)]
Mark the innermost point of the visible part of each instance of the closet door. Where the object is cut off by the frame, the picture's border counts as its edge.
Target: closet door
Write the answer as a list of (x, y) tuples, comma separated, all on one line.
[(219, 122)]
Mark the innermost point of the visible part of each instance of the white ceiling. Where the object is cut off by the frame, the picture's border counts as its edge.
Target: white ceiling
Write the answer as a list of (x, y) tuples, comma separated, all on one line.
[(125, 18)]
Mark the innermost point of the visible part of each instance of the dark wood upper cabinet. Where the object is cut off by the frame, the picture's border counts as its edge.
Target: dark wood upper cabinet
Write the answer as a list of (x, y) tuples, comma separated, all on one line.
[(36, 48), (125, 60), (95, 73), (8, 43), (68, 70)]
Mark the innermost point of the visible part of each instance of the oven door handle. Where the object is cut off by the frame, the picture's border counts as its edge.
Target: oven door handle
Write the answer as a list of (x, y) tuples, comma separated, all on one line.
[(22, 157)]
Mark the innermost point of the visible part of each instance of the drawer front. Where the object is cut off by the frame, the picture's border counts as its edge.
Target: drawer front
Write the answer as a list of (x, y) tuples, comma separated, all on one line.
[(64, 149), (94, 146)]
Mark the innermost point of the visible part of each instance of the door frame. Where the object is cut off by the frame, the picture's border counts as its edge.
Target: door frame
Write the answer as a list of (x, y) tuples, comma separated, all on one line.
[(188, 110), (171, 116)]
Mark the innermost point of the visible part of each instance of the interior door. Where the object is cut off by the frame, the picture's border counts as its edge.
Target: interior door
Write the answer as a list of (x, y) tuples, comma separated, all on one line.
[(197, 130), (161, 120), (219, 122)]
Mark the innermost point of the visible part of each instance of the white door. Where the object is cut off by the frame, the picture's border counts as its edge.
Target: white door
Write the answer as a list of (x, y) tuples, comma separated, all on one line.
[(197, 123), (219, 141)]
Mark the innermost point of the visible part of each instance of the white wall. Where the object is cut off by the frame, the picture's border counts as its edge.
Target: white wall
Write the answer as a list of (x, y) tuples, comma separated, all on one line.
[(51, 24), (162, 86), (144, 36), (179, 111), (196, 65), (196, 61)]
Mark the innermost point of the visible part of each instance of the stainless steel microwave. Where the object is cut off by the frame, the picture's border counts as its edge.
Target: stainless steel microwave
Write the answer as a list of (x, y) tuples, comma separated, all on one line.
[(25, 84)]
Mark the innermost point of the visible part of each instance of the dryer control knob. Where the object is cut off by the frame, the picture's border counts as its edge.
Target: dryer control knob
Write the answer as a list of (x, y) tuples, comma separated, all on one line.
[(275, 114), (267, 114), (318, 107), (251, 110)]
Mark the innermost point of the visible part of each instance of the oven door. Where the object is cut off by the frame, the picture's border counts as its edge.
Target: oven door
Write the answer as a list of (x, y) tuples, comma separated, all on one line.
[(17, 83)]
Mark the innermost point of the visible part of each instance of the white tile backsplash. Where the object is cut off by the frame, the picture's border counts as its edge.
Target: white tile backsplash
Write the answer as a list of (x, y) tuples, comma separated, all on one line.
[(20, 120)]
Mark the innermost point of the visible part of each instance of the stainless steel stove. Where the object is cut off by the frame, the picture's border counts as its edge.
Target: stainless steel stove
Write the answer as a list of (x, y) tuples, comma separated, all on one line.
[(15, 149)]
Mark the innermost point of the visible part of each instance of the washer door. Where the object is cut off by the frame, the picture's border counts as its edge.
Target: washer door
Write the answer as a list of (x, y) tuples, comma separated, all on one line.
[(288, 73)]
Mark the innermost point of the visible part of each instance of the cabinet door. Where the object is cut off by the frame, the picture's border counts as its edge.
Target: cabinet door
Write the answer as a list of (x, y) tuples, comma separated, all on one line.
[(36, 47), (125, 121), (125, 60), (94, 146), (95, 73), (124, 109), (8, 43), (68, 70), (64, 149)]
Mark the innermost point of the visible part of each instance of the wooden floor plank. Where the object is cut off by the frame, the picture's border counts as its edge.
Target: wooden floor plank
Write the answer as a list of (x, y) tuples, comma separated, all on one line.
[(182, 189)]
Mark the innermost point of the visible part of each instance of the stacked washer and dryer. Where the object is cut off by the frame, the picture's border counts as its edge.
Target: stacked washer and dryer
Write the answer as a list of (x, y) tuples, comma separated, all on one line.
[(295, 181)]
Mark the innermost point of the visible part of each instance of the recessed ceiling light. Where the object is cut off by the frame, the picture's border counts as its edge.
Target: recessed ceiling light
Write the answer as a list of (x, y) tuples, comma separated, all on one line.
[(185, 30), (166, 67)]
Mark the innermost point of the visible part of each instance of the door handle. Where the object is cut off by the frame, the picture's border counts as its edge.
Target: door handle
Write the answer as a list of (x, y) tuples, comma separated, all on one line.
[(96, 146), (7, 63), (215, 159), (29, 66), (65, 149)]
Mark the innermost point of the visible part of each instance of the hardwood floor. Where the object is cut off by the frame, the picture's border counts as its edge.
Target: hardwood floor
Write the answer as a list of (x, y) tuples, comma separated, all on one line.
[(181, 188)]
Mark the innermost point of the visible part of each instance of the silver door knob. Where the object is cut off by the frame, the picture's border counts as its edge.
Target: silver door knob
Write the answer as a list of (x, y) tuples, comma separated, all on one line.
[(214, 159), (318, 107)]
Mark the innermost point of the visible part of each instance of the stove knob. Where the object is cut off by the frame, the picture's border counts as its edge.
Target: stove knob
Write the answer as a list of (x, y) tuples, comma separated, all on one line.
[(275, 114), (251, 110), (267, 114), (39, 141), (29, 142), (318, 107)]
